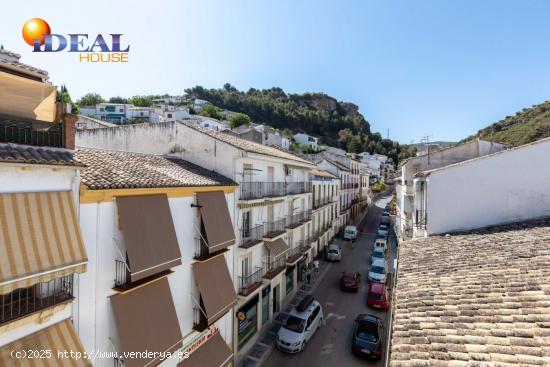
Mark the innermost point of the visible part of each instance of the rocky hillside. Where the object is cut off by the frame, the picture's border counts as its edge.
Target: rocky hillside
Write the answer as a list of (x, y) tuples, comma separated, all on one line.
[(336, 123), (528, 125)]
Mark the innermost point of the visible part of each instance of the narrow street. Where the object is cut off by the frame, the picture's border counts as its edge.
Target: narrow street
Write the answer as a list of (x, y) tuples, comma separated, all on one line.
[(331, 345)]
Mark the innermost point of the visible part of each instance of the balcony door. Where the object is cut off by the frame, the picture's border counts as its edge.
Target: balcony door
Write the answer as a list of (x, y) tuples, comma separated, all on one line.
[(270, 212), (247, 172), (270, 175), (246, 266), (246, 224)]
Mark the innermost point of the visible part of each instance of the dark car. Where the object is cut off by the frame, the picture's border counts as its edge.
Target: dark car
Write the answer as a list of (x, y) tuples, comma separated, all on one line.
[(367, 336), (350, 281), (377, 296)]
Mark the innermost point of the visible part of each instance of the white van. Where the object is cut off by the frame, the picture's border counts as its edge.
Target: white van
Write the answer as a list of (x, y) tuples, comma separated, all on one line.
[(302, 322), (381, 242), (350, 233)]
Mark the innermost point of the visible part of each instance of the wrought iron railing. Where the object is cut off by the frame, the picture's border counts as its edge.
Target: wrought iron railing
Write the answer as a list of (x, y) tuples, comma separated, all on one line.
[(273, 189), (122, 274), (24, 301), (251, 236), (276, 227), (252, 190), (298, 187), (249, 282), (273, 266)]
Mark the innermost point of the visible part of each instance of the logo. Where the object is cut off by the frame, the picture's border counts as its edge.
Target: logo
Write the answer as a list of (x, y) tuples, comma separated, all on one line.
[(241, 316), (90, 48)]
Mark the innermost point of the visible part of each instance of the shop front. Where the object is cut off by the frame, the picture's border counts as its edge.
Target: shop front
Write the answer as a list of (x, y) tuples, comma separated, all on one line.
[(247, 317)]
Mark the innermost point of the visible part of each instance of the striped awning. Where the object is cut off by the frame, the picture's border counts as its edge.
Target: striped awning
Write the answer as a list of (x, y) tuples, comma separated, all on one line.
[(276, 248), (57, 339), (40, 239)]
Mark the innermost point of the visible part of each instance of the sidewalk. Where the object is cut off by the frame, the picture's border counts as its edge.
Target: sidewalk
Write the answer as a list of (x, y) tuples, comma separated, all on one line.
[(263, 348)]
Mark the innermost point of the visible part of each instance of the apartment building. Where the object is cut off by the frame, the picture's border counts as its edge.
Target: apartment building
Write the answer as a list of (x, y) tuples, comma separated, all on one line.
[(343, 173), (160, 236), (42, 253), (272, 210), (406, 191), (326, 212)]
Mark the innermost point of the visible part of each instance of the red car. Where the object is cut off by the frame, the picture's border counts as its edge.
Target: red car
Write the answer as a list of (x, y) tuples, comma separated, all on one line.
[(378, 296), (350, 281)]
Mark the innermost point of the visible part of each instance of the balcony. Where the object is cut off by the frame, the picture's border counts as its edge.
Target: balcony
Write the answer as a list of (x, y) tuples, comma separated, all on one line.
[(249, 283), (252, 236), (200, 321), (259, 190), (296, 220), (305, 244), (315, 235), (275, 228), (321, 203), (273, 267), (294, 254), (293, 188), (25, 301)]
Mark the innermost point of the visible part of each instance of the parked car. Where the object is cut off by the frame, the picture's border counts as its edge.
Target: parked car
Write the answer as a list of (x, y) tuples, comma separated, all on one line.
[(377, 296), (381, 242), (377, 271), (302, 322), (367, 336), (383, 230), (350, 281), (385, 219), (350, 233), (377, 254), (334, 253)]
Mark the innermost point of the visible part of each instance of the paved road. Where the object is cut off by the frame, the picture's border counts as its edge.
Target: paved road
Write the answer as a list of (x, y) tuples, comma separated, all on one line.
[(331, 345)]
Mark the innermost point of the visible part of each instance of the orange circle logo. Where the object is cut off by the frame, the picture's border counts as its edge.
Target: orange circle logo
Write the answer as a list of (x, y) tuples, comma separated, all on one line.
[(35, 29)]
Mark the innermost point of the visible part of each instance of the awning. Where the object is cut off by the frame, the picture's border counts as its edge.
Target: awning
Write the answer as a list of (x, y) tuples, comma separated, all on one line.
[(60, 337), (149, 234), (277, 247), (213, 353), (216, 220), (146, 320), (40, 239), (215, 286)]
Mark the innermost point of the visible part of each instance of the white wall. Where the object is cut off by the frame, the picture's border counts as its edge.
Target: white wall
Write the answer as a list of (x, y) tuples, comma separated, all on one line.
[(96, 318), (510, 186)]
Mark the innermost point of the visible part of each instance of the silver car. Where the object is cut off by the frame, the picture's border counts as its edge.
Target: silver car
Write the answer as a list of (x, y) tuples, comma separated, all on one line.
[(377, 271), (334, 253)]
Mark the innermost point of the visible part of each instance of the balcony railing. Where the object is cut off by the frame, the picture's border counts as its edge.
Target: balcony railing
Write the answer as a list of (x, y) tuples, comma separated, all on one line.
[(252, 236), (320, 203), (272, 267), (200, 321), (252, 190), (293, 188), (249, 283), (258, 190), (315, 235), (275, 228), (122, 274), (24, 301), (294, 254), (274, 189), (306, 215)]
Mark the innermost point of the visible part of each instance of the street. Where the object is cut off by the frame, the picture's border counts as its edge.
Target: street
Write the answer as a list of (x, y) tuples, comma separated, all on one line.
[(331, 344)]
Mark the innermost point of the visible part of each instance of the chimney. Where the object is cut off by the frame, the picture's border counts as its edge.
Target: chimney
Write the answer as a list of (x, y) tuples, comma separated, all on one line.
[(69, 130)]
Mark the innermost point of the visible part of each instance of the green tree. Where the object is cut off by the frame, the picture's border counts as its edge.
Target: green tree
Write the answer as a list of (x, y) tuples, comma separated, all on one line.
[(90, 99), (211, 111), (141, 101), (354, 144), (118, 99), (239, 119), (63, 95)]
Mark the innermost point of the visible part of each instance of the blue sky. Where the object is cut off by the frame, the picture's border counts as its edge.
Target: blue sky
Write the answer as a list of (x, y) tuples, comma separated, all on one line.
[(440, 68)]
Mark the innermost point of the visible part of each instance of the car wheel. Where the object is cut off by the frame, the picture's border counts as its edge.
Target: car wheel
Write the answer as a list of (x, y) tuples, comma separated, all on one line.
[(320, 323), (304, 344)]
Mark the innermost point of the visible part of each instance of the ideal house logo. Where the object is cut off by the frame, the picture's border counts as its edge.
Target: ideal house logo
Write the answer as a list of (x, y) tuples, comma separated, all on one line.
[(95, 48)]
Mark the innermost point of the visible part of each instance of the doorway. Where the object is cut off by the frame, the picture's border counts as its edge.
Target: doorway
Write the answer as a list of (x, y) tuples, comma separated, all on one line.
[(276, 299)]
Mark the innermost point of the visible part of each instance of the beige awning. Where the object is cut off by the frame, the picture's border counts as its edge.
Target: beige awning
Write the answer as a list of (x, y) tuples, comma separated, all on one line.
[(59, 338), (277, 247), (213, 353), (149, 234), (146, 320), (216, 220), (40, 239), (215, 286)]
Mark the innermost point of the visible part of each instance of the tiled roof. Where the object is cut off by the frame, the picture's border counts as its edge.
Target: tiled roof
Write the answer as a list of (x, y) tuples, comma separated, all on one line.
[(339, 165), (474, 299), (121, 170), (321, 173), (28, 154), (24, 68), (248, 145)]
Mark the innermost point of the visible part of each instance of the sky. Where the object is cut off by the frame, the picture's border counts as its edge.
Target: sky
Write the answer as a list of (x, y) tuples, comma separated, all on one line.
[(415, 68)]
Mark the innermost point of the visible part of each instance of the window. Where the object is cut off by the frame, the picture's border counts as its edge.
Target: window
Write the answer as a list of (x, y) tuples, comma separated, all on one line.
[(246, 224), (169, 115)]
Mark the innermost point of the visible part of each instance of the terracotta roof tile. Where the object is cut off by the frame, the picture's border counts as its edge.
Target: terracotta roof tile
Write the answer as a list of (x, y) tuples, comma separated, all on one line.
[(120, 170), (477, 298), (28, 154)]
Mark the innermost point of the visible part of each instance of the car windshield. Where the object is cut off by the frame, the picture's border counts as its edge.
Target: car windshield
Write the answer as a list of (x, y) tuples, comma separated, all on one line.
[(377, 269), (367, 331), (378, 254), (376, 296), (295, 324), (348, 278), (332, 251)]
